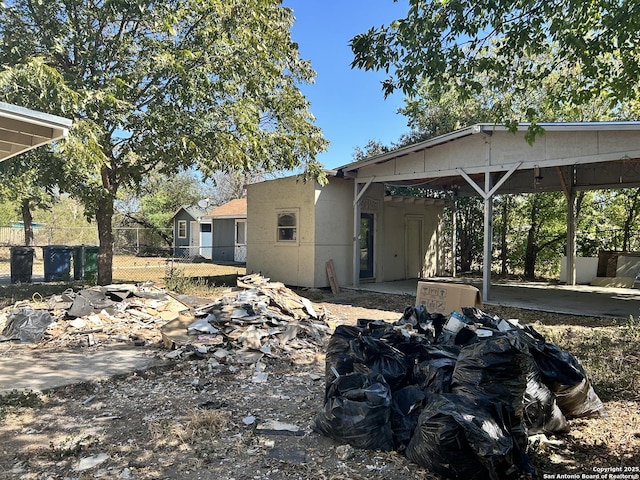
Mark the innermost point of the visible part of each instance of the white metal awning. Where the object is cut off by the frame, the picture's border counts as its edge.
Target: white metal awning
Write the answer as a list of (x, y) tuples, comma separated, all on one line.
[(487, 159), (22, 129)]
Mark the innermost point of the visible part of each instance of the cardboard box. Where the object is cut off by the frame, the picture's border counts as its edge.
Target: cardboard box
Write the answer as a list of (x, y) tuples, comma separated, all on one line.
[(446, 297)]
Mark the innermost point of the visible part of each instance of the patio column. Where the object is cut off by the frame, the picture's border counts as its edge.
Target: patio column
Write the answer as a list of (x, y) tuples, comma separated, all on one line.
[(487, 194), (488, 237), (568, 187)]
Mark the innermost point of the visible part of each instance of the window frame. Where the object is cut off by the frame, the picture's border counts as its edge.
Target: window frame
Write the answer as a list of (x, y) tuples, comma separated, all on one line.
[(295, 212), (182, 224)]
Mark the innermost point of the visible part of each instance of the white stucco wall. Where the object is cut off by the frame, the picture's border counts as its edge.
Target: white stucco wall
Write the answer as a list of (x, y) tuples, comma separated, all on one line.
[(292, 264), (325, 231), (334, 231), (393, 261)]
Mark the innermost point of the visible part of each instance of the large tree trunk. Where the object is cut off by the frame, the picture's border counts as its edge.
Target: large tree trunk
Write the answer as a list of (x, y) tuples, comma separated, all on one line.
[(531, 250), (530, 255), (504, 253), (104, 216), (629, 220), (27, 220)]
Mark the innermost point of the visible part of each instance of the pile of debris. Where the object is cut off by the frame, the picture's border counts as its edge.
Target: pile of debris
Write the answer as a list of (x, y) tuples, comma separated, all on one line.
[(458, 395), (93, 316), (258, 318)]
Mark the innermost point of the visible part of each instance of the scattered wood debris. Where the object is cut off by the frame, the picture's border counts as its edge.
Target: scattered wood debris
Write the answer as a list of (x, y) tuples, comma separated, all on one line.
[(94, 316), (258, 318)]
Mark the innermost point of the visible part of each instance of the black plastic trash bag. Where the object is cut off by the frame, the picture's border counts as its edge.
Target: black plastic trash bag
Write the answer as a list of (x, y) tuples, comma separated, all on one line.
[(406, 407), (541, 412), (434, 372), (459, 440), (428, 324), (380, 357), (358, 411), (556, 366), (374, 328), (27, 325), (338, 359), (579, 400), (494, 370), (565, 376)]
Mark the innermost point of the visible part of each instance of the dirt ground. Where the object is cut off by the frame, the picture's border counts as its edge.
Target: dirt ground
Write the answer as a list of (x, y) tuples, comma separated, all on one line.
[(197, 419)]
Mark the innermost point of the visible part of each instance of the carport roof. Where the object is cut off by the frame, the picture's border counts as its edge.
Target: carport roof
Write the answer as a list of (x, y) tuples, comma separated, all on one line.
[(22, 129), (603, 155)]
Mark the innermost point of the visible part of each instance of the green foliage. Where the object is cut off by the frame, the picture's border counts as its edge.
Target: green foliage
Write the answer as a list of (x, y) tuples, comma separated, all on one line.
[(162, 87), (158, 197), (8, 212), (469, 47), (537, 233), (371, 149)]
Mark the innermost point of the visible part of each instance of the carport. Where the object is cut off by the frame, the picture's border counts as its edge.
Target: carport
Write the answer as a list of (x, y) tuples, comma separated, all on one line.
[(22, 129), (487, 160)]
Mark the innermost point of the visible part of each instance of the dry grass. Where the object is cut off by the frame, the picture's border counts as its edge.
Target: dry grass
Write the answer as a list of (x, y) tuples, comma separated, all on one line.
[(609, 355), (197, 427)]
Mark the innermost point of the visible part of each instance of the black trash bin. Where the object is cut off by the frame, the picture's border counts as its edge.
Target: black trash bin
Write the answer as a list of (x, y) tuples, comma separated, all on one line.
[(21, 264), (57, 262)]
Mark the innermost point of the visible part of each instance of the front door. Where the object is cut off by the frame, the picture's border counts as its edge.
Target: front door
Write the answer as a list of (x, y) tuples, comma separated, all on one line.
[(240, 244), (194, 239), (206, 240), (366, 245), (413, 246)]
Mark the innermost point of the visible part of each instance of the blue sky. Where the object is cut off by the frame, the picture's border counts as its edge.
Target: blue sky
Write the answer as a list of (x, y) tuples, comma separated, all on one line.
[(348, 104)]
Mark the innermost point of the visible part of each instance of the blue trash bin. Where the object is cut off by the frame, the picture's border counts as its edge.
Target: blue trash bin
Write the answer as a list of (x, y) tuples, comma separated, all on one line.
[(57, 262)]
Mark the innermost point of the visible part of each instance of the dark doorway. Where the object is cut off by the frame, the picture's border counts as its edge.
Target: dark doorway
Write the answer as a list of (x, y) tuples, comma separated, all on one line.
[(366, 245)]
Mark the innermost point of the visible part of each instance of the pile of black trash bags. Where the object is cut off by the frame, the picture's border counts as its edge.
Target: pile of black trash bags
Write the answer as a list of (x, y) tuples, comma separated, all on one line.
[(458, 395)]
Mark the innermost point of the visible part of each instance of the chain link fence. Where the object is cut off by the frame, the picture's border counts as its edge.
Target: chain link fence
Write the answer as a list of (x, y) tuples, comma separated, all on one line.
[(139, 254)]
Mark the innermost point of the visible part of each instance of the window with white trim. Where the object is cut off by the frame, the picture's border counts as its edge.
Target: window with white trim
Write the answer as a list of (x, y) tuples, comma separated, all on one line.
[(287, 226), (182, 229)]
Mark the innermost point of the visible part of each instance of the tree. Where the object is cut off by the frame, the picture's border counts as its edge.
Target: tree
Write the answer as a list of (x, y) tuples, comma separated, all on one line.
[(165, 86), (372, 148), (32, 178), (156, 199), (474, 46), (229, 186), (30, 181)]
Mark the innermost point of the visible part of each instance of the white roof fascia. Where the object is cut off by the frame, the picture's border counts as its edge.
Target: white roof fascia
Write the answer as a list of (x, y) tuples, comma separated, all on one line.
[(487, 129), (222, 217), (22, 129)]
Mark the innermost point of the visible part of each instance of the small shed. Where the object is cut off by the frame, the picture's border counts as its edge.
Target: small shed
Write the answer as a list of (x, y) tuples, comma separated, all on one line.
[(191, 232), (229, 237), (296, 227)]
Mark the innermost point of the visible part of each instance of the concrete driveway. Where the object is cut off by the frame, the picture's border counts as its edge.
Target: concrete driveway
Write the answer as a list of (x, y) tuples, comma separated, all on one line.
[(584, 300)]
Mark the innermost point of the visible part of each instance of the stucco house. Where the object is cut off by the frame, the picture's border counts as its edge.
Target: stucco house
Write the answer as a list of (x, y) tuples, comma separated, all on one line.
[(191, 232), (294, 228), (229, 236)]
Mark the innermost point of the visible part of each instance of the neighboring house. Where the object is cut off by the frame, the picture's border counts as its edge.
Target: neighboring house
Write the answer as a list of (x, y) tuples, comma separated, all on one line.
[(294, 228), (191, 232), (229, 223)]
